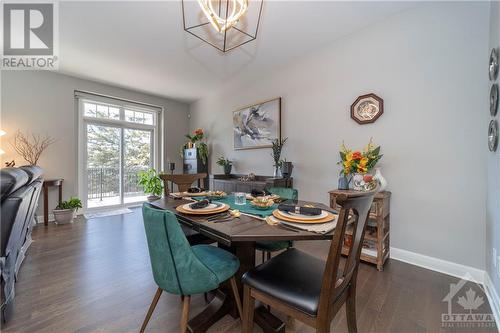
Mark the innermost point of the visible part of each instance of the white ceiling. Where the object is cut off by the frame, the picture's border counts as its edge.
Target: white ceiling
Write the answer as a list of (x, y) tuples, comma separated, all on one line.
[(142, 45)]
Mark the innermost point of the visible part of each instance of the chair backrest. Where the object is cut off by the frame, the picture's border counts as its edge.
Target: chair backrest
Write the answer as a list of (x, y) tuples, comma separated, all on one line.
[(285, 192), (183, 181), (333, 285), (176, 269)]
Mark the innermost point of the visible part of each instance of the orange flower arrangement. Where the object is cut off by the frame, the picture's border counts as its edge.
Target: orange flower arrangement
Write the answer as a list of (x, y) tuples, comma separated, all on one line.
[(359, 161)]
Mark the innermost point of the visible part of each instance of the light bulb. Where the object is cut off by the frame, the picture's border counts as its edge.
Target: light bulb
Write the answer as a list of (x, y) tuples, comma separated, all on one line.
[(238, 9)]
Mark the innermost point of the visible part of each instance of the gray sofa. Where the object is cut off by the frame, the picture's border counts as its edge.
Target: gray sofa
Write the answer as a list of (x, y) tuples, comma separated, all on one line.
[(20, 189)]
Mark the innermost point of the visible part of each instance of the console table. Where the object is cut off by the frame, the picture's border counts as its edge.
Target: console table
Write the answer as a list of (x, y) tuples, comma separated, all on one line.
[(46, 184), (376, 246), (231, 183)]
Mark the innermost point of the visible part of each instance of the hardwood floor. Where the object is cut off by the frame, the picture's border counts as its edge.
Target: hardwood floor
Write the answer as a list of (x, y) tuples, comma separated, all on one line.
[(94, 276)]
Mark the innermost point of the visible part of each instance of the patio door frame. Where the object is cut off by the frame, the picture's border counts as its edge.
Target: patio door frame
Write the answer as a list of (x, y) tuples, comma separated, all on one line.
[(83, 121)]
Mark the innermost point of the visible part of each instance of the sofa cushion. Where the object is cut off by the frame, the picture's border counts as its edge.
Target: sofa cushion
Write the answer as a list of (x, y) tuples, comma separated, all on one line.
[(11, 179), (33, 172)]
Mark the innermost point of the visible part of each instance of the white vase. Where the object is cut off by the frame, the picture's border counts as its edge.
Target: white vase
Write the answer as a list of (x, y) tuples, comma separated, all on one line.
[(381, 180), (358, 184)]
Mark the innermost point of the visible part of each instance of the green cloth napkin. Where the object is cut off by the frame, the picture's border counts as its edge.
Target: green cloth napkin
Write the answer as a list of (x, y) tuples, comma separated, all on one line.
[(247, 208)]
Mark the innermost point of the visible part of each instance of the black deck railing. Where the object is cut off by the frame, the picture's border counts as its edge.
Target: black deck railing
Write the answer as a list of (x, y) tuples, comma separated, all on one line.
[(105, 182)]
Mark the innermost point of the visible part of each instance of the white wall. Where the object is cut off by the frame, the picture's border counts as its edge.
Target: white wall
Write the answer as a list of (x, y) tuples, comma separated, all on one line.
[(428, 64), (43, 102), (493, 202)]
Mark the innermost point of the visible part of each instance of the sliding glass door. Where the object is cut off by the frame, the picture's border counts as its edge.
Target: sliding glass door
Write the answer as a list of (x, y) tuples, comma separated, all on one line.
[(118, 143)]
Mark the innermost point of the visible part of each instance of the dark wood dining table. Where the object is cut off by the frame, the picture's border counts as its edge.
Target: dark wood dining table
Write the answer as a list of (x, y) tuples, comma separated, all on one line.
[(237, 236)]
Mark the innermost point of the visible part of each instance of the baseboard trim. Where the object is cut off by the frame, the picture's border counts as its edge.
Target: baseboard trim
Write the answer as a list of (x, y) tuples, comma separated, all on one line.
[(493, 298), (438, 265)]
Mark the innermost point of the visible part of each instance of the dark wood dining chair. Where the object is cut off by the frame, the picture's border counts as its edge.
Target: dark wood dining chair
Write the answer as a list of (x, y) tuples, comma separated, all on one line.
[(183, 181), (307, 288)]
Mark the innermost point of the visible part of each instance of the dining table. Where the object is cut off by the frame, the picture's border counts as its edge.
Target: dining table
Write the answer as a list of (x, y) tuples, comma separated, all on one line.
[(238, 236)]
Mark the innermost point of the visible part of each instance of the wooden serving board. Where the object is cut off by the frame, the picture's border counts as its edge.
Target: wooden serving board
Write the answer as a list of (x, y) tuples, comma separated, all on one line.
[(221, 209), (276, 213)]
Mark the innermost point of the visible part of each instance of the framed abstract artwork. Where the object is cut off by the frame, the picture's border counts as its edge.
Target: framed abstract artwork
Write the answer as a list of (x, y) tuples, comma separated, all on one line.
[(367, 109), (257, 125)]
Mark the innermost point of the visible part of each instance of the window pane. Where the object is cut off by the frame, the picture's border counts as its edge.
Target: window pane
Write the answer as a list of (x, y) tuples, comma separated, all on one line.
[(89, 109), (102, 111), (148, 118), (114, 113), (129, 115), (139, 117)]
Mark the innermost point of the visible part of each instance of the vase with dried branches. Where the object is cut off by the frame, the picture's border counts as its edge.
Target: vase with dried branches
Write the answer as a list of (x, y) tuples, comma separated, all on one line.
[(31, 146)]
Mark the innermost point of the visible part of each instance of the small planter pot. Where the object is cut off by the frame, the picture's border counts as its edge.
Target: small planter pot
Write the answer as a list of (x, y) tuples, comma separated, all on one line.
[(286, 169), (64, 216), (152, 198), (227, 169)]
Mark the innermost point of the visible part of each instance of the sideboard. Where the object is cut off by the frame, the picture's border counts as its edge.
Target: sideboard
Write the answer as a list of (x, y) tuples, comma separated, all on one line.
[(231, 183)]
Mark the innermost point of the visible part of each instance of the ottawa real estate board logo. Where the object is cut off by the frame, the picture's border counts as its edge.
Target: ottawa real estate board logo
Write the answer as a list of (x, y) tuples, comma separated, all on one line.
[(30, 36)]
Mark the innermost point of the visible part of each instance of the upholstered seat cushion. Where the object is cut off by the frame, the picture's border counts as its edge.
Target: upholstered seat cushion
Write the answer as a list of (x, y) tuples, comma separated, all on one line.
[(272, 246), (222, 263), (294, 277)]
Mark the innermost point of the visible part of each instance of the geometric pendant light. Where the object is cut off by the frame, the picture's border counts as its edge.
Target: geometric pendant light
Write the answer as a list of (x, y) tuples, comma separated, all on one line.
[(224, 24)]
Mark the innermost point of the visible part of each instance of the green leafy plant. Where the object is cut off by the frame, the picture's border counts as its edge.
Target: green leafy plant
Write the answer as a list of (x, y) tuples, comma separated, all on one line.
[(201, 146), (277, 146), (203, 151), (72, 203), (223, 162), (151, 182)]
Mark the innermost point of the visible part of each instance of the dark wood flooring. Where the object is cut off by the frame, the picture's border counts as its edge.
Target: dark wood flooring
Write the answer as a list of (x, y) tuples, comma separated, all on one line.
[(94, 276)]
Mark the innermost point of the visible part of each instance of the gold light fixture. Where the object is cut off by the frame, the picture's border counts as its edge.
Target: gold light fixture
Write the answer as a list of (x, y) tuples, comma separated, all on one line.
[(237, 7), (224, 24)]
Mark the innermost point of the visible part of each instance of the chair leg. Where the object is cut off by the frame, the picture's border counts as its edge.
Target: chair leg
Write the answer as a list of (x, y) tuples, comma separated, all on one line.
[(151, 309), (236, 294), (248, 310), (185, 313), (350, 308)]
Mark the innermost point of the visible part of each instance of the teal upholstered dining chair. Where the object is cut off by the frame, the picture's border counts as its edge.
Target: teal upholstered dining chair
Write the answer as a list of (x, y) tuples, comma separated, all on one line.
[(267, 247), (181, 269)]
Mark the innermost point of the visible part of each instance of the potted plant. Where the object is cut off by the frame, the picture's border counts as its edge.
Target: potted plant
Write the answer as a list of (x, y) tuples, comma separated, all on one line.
[(226, 164), (286, 168), (356, 164), (65, 212), (277, 146), (151, 183), (197, 140)]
